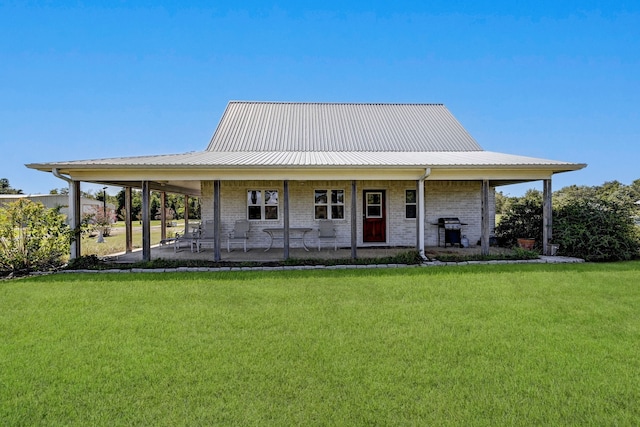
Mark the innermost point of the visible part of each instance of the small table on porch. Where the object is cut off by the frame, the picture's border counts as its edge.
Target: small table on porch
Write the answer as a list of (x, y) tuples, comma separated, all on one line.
[(295, 233)]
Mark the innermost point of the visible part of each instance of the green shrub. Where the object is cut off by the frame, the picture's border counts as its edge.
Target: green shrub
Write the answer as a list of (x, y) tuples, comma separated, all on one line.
[(517, 254), (523, 219), (596, 230), (84, 262), (32, 237)]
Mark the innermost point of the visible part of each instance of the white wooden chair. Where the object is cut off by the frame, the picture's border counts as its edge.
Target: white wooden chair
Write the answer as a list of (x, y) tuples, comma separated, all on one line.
[(240, 233), (326, 231)]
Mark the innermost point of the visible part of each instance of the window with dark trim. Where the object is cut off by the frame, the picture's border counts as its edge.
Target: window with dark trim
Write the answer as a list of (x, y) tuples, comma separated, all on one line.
[(329, 204), (410, 204), (262, 204)]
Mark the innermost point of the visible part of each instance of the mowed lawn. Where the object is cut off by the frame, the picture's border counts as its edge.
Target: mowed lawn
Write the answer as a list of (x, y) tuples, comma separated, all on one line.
[(477, 345)]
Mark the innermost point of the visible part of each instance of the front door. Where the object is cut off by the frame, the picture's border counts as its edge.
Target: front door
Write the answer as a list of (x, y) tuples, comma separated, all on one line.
[(374, 222)]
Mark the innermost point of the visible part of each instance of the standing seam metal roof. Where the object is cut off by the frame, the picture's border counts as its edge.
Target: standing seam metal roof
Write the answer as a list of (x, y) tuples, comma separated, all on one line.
[(208, 159), (327, 127)]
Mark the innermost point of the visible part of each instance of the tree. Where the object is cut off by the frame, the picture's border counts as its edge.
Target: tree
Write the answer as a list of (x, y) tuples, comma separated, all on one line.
[(136, 203), (5, 187), (573, 192), (175, 202), (523, 219), (62, 191), (32, 237), (594, 223), (596, 229), (502, 202)]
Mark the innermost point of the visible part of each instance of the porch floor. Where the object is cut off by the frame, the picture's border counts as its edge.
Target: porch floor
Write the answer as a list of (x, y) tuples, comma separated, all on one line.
[(276, 254)]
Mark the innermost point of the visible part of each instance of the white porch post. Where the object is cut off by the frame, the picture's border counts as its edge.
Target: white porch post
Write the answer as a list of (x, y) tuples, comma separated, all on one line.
[(547, 215), (74, 213), (146, 223), (420, 217), (485, 224)]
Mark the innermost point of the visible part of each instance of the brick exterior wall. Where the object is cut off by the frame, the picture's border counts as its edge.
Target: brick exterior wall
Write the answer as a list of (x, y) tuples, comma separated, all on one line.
[(461, 199)]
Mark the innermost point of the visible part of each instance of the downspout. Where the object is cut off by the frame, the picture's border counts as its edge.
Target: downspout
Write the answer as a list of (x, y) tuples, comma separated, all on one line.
[(420, 219), (57, 174), (74, 210)]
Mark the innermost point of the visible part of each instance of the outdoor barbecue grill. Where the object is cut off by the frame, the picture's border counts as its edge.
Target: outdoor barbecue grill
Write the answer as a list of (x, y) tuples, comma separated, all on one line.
[(452, 228)]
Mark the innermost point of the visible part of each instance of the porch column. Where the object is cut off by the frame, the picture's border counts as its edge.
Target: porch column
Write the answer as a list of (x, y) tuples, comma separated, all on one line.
[(547, 215), (216, 220), (485, 224), (74, 219), (163, 215), (354, 220), (286, 219), (186, 213), (128, 230), (420, 217), (146, 223)]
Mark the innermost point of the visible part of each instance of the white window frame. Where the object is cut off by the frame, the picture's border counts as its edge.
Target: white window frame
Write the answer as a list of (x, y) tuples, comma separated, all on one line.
[(330, 204)]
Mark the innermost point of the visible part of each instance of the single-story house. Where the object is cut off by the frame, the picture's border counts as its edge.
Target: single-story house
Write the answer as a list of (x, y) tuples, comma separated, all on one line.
[(383, 174), (61, 201)]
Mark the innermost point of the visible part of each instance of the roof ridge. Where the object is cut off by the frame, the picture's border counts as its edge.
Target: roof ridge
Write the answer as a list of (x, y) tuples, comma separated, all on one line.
[(334, 103)]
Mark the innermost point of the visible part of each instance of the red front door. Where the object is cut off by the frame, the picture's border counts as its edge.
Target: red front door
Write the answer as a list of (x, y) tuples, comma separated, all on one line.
[(374, 223)]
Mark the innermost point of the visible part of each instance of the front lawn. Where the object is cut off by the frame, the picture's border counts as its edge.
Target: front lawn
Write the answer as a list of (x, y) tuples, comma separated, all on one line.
[(115, 242), (476, 345)]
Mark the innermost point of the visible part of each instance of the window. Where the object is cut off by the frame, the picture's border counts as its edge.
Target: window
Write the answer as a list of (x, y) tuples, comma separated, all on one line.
[(374, 204), (410, 205), (329, 204), (262, 204)]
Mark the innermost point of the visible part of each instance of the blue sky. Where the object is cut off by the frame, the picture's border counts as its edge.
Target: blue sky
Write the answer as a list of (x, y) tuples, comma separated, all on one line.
[(85, 80)]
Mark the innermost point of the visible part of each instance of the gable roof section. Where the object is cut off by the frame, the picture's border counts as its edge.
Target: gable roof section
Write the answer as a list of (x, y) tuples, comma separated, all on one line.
[(307, 141), (330, 127)]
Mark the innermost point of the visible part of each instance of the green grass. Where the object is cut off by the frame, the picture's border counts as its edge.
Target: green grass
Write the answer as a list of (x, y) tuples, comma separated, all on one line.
[(477, 345), (115, 242)]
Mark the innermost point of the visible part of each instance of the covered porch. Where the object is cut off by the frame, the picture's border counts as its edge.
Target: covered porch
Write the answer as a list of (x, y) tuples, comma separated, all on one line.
[(220, 211), (259, 255)]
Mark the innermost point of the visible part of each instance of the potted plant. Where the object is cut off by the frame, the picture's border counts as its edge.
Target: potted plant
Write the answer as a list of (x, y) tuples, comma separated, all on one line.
[(526, 243)]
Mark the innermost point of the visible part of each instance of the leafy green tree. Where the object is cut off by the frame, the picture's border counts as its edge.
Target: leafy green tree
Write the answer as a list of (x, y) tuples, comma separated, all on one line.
[(597, 229), (523, 219), (502, 202), (635, 189), (65, 191), (573, 192), (594, 223), (136, 204), (32, 237), (174, 201), (5, 187)]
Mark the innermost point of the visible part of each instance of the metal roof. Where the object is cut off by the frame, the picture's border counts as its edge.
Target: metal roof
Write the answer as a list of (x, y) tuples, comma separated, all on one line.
[(254, 135), (331, 127), (209, 159)]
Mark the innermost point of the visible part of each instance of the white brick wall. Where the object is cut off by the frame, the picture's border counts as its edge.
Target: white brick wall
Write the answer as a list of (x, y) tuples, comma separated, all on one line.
[(461, 199)]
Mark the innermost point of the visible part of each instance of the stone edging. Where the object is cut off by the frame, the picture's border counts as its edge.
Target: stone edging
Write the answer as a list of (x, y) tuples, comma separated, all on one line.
[(541, 260)]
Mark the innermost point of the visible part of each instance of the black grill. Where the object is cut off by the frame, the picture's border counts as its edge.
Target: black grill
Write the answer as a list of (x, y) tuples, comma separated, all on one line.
[(452, 228)]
